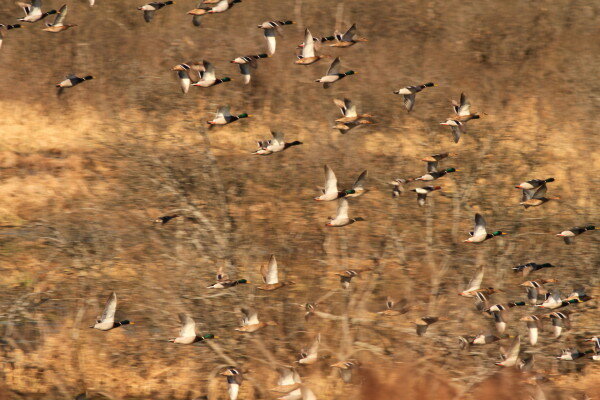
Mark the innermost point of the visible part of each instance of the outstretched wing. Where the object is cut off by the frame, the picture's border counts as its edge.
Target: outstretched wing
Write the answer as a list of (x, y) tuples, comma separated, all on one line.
[(110, 308), (334, 68), (269, 272), (278, 138), (479, 225), (148, 15), (188, 326), (223, 112), (465, 107), (209, 71), (330, 181), (308, 50), (350, 33), (342, 210), (475, 282), (342, 105), (513, 352), (409, 101), (250, 317), (350, 108), (540, 192), (360, 181), (432, 166)]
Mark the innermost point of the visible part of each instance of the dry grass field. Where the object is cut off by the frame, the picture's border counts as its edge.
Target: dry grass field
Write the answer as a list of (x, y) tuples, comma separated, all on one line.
[(83, 175)]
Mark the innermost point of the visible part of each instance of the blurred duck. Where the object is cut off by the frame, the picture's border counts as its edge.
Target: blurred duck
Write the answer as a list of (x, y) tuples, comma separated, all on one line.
[(534, 184), (422, 193), (390, 303), (462, 109), (187, 333), (535, 289), (536, 196), (466, 342), (422, 323), (458, 128), (310, 356), (560, 320), (571, 354), (348, 109), (106, 321), (341, 217), (308, 55), (150, 8), (433, 173), (188, 73), (250, 322), (70, 81), (347, 39), (288, 382), (331, 192), (398, 186), (223, 281), (347, 275), (333, 74), (409, 94), (480, 234), (474, 284), (58, 25), (596, 341), (528, 268), (234, 381), (33, 11), (246, 62), (201, 9), (320, 40), (209, 78), (224, 117), (346, 369), (555, 300), (510, 358), (271, 28), (498, 311), (274, 145), (438, 157), (270, 276), (569, 234), (534, 325)]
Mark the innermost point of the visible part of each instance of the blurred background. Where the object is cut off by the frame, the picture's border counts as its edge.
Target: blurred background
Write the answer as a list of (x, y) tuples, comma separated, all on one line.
[(84, 175)]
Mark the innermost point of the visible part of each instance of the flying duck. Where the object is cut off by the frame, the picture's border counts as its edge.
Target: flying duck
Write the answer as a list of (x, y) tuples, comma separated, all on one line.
[(530, 267), (349, 113), (333, 74), (510, 358), (274, 145), (310, 356), (150, 8), (458, 128), (246, 62), (330, 192), (209, 78), (107, 322), (347, 275), (234, 381), (187, 333), (569, 234), (250, 322), (409, 94), (480, 234), (422, 324), (347, 39), (223, 281), (223, 116), (462, 109), (341, 217), (58, 25), (33, 11), (422, 193), (308, 55), (270, 29), (346, 368), (535, 196), (534, 325), (270, 276), (70, 81)]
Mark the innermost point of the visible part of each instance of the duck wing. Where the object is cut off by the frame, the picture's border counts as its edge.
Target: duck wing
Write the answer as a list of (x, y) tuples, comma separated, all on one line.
[(278, 137), (359, 184), (269, 272), (223, 112), (250, 317), (350, 33), (308, 51), (465, 107), (334, 68), (209, 71), (330, 181), (350, 108), (188, 326), (479, 225), (342, 210), (475, 282), (409, 101), (110, 308), (432, 166)]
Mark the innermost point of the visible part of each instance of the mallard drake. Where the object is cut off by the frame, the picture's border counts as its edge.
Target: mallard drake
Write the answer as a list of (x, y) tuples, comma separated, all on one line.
[(310, 356), (187, 333), (333, 74), (209, 78), (250, 322), (107, 322), (534, 325), (347, 39), (462, 109), (438, 157), (510, 358), (554, 299), (480, 234), (569, 234), (346, 369), (150, 8), (274, 145), (270, 276), (533, 184), (348, 110), (596, 341), (571, 354), (270, 29), (72, 80), (409, 94), (341, 217), (530, 267), (498, 310), (308, 55), (422, 323), (331, 192), (246, 62), (188, 73), (33, 11), (58, 25), (347, 275), (536, 196), (433, 173), (223, 281), (234, 381), (560, 320), (458, 128), (224, 117), (422, 193)]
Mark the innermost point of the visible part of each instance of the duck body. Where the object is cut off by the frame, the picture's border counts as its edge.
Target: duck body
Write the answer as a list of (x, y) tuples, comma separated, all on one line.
[(107, 321), (73, 80), (569, 234)]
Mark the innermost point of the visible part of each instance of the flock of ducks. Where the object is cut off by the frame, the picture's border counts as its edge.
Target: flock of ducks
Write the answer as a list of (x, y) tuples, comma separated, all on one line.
[(203, 74)]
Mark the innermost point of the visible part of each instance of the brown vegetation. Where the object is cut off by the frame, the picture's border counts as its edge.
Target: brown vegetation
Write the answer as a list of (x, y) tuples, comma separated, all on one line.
[(83, 176)]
